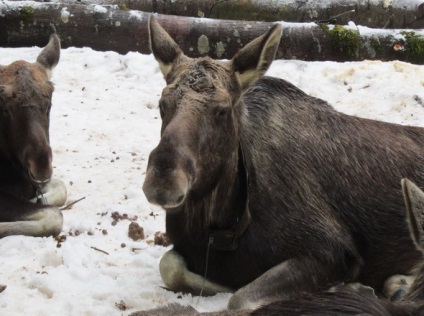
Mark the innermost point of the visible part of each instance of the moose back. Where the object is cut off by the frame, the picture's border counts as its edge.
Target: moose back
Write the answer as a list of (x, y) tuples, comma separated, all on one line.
[(270, 192)]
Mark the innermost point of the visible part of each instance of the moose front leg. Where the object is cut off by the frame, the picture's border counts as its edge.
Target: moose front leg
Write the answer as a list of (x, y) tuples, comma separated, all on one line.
[(176, 277), (22, 217), (286, 281)]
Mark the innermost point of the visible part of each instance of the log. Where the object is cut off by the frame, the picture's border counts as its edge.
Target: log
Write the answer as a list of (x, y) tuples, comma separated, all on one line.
[(106, 28), (371, 13)]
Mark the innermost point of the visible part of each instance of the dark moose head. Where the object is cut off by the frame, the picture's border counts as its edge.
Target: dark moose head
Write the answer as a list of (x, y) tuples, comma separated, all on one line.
[(200, 117), (25, 101)]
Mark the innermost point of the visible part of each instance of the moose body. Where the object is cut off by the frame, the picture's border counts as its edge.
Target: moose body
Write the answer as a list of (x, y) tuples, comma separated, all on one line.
[(343, 299), (27, 192), (323, 188)]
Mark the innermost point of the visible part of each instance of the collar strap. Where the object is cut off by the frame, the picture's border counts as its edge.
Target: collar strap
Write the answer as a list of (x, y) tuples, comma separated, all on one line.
[(227, 239)]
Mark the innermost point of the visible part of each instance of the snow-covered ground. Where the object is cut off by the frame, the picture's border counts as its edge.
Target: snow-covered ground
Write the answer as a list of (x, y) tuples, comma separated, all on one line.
[(104, 123)]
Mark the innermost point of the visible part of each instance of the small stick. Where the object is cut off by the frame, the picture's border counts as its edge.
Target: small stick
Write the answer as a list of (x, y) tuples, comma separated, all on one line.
[(71, 204), (334, 17), (138, 249), (99, 250), (2, 287)]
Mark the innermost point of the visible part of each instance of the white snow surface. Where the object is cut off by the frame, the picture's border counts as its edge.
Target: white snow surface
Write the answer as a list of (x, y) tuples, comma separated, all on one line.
[(104, 123)]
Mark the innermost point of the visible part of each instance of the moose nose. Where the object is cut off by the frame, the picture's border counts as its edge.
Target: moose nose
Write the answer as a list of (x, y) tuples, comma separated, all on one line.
[(40, 167), (165, 200), (167, 190)]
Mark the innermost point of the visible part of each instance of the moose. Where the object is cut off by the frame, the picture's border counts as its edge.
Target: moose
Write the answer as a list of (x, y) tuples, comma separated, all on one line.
[(29, 197), (269, 192)]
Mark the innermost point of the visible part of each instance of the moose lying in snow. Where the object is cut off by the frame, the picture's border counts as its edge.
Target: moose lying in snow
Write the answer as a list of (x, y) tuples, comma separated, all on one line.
[(343, 299), (269, 192), (27, 192)]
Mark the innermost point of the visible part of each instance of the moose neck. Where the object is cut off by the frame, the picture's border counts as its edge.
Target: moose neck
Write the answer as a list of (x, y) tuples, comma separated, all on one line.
[(223, 208), (227, 239), (14, 179)]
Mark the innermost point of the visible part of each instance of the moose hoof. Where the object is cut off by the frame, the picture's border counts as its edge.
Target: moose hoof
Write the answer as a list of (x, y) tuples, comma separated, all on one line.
[(397, 285)]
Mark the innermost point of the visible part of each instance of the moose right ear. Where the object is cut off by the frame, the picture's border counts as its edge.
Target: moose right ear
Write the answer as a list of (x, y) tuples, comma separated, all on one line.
[(252, 61), (414, 203), (163, 47), (49, 56)]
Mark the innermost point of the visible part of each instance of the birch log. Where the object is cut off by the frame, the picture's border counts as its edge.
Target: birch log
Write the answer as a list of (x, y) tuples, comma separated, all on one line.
[(111, 28), (371, 13)]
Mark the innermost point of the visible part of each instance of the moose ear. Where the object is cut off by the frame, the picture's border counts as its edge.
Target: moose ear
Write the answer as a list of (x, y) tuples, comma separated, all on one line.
[(163, 47), (414, 203), (49, 56), (253, 60)]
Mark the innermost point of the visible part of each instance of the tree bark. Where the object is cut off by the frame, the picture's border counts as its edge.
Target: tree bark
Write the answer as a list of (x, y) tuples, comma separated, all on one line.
[(110, 28), (371, 13)]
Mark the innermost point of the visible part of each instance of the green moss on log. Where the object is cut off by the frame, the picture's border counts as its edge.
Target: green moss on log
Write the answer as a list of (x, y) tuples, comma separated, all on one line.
[(346, 40), (375, 43), (27, 13), (123, 7), (414, 47)]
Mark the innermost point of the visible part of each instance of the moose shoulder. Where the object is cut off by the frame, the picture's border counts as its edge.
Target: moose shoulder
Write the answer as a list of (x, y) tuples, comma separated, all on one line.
[(27, 192), (310, 196)]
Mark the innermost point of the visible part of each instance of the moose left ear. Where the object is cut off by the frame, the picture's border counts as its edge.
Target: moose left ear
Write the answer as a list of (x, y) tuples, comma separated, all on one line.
[(414, 203), (49, 56), (163, 47), (253, 60)]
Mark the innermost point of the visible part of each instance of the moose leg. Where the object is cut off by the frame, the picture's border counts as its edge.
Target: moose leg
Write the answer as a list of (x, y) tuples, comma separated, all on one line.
[(20, 217), (176, 277), (53, 193), (46, 221), (397, 286), (286, 281)]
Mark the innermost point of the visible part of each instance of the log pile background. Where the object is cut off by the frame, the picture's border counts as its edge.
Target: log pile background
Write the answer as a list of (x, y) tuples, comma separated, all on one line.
[(219, 28)]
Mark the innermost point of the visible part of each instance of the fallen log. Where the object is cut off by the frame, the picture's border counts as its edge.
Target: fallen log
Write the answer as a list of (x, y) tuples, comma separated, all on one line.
[(371, 13), (111, 28)]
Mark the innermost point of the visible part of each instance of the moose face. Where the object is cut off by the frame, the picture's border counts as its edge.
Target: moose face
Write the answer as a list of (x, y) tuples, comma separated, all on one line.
[(25, 102), (201, 117), (199, 132)]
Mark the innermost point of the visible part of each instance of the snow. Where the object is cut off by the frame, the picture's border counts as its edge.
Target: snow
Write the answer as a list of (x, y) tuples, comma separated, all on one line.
[(100, 9), (104, 123)]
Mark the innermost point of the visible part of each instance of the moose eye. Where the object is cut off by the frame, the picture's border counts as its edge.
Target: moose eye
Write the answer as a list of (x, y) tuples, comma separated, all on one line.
[(166, 105), (221, 111), (3, 109), (48, 108), (161, 109)]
